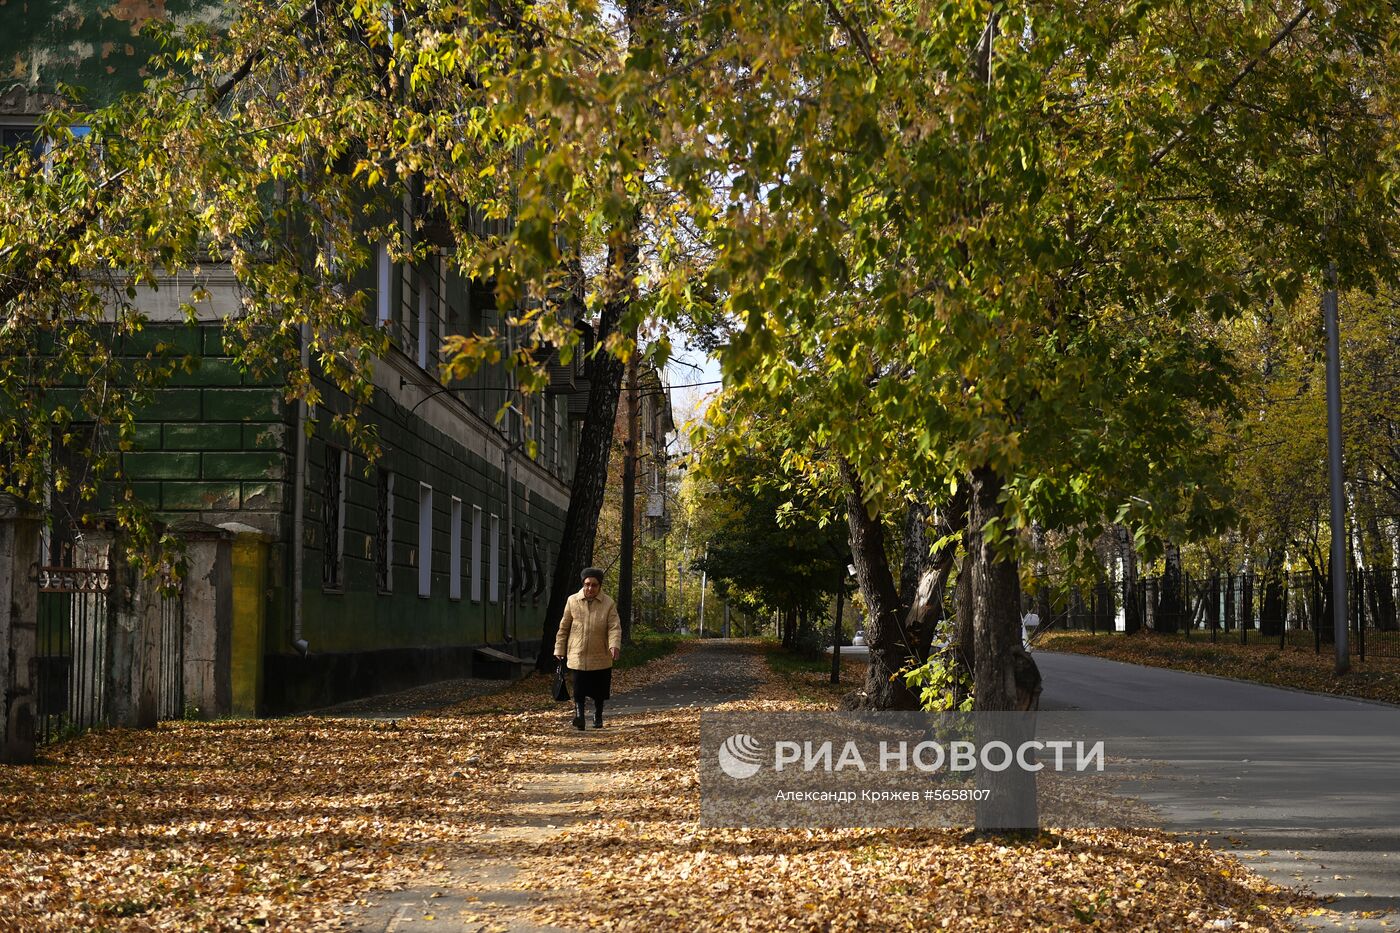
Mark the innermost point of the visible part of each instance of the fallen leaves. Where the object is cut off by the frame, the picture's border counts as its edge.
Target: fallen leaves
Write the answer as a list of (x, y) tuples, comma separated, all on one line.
[(297, 823)]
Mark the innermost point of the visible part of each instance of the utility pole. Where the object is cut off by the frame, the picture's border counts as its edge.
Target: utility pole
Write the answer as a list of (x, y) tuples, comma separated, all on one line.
[(704, 578), (662, 606), (836, 632), (629, 502), (1334, 473), (680, 587)]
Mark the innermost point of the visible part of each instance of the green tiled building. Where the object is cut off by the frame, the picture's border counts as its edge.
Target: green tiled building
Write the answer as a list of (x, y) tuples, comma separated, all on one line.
[(407, 565)]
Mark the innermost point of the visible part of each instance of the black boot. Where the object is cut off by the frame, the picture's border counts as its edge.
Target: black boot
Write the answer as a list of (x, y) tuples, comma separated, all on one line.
[(597, 713), (578, 715)]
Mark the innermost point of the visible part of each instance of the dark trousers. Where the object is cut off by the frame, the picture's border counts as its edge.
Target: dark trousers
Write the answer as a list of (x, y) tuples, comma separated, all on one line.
[(597, 707)]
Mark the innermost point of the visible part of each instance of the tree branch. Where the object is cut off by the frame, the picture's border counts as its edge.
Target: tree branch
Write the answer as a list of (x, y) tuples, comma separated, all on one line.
[(1224, 98), (855, 34)]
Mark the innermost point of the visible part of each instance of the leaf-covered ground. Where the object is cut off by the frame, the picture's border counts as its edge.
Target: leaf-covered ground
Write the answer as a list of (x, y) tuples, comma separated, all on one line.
[(296, 823), (282, 822), (1297, 666)]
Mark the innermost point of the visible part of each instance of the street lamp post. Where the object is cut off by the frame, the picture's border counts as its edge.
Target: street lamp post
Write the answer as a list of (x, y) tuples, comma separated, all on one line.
[(1334, 473), (704, 578)]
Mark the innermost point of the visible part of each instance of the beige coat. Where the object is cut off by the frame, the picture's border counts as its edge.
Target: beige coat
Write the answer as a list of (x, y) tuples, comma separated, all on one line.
[(590, 630)]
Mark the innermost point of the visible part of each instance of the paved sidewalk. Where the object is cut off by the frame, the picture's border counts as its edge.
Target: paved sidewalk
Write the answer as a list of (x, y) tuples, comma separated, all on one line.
[(479, 893), (709, 675)]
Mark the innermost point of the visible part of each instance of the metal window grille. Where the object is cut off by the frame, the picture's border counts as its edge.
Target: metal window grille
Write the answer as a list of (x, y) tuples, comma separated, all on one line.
[(384, 532), (331, 493), (539, 567), (526, 575)]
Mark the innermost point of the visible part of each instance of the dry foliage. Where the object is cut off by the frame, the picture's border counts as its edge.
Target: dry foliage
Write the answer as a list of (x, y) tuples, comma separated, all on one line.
[(291, 823)]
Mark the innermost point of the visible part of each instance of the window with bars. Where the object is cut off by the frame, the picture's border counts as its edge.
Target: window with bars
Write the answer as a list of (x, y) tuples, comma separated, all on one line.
[(539, 567), (557, 420), (384, 533), (526, 576), (333, 506)]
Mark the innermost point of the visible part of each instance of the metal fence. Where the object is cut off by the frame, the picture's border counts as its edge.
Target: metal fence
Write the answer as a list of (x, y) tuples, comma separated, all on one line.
[(72, 658), (75, 658), (1289, 609), (170, 699)]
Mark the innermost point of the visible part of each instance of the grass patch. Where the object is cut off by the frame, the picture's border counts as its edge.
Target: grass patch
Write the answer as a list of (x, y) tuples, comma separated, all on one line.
[(808, 676), (647, 647), (1264, 662), (783, 661)]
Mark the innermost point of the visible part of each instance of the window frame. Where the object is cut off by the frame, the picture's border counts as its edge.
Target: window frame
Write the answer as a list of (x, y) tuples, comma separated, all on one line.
[(454, 548), (384, 534), (476, 577), (333, 570), (425, 540), (493, 545)]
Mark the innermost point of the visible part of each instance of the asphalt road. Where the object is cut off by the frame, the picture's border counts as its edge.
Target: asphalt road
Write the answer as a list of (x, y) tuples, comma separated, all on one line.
[(1076, 681), (1294, 830)]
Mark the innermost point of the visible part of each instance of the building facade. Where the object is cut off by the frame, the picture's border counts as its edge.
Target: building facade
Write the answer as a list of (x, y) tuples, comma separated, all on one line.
[(367, 576)]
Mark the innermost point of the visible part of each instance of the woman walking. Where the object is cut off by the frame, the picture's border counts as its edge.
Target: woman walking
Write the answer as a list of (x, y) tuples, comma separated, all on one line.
[(590, 636)]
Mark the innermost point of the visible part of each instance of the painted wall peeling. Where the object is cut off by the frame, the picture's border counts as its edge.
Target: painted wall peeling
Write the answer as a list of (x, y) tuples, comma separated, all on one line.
[(94, 45)]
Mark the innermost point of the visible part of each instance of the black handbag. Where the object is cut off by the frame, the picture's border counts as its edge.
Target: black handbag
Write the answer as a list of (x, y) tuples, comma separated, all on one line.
[(561, 688)]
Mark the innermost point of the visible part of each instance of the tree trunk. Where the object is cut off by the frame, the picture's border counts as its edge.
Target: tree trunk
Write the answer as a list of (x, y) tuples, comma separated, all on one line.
[(1078, 615), (1005, 675), (1322, 599), (1132, 607), (1104, 606), (926, 608), (1170, 606), (629, 503), (916, 550), (1271, 610), (1007, 681), (1380, 587), (604, 373), (890, 645), (1247, 599), (966, 645), (1383, 601)]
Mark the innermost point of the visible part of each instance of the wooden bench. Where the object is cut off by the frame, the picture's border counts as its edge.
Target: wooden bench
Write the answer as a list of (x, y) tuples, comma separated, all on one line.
[(493, 664)]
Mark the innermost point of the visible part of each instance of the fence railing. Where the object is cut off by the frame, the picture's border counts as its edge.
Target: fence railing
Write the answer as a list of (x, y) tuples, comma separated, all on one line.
[(79, 663), (1291, 609)]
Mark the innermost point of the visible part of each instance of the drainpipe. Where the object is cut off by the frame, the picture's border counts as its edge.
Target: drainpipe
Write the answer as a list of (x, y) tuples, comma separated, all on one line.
[(510, 622), (299, 506), (507, 623)]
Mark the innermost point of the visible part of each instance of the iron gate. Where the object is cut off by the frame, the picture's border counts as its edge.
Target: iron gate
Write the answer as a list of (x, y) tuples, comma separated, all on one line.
[(72, 656), (171, 698)]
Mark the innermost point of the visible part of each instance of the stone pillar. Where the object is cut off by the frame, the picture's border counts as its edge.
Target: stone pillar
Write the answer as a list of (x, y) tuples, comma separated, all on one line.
[(249, 574), (133, 633), (19, 625), (208, 618)]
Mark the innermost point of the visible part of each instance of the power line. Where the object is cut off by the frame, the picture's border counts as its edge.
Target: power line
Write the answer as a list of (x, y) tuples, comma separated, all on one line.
[(691, 385)]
